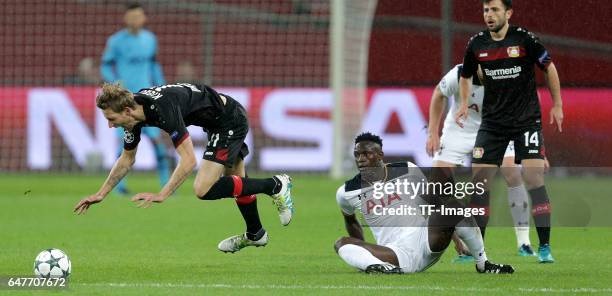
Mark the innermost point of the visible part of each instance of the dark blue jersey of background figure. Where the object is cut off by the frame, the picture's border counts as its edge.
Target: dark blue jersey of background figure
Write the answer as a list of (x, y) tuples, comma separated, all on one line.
[(131, 59), (511, 98), (174, 107)]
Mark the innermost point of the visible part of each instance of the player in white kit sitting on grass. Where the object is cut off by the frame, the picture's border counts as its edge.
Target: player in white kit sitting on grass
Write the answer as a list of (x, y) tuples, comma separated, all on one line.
[(405, 243)]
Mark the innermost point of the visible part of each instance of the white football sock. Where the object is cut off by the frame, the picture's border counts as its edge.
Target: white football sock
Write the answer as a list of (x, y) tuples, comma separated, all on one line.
[(472, 238), (357, 256), (519, 208)]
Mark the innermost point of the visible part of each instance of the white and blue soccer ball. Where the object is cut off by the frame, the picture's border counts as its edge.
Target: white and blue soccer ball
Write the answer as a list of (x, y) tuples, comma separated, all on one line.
[(52, 263)]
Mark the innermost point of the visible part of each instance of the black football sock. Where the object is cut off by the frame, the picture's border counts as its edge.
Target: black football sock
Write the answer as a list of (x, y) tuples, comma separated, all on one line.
[(248, 208), (540, 210), (481, 201), (234, 186)]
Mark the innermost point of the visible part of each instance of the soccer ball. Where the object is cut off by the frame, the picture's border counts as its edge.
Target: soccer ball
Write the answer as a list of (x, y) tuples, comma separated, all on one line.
[(52, 263)]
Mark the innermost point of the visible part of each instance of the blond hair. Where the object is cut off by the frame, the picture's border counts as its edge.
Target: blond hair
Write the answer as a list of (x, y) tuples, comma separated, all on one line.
[(115, 97)]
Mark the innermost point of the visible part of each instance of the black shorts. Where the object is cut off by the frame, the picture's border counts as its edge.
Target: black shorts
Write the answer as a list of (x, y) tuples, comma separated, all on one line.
[(226, 144), (491, 145)]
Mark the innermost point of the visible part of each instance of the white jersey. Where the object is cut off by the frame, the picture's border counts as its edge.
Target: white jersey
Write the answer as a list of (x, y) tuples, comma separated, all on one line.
[(449, 86), (406, 234), (456, 143), (386, 229)]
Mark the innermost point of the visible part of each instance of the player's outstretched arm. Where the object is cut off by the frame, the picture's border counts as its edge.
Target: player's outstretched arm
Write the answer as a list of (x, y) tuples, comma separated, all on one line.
[(353, 228), (436, 107), (120, 169), (465, 88), (184, 168), (554, 86)]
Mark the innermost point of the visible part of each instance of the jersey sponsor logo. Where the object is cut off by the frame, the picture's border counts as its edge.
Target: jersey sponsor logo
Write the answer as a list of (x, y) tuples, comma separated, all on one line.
[(506, 73), (128, 136), (208, 153), (371, 204), (478, 152), (474, 107), (514, 51), (534, 151), (483, 55)]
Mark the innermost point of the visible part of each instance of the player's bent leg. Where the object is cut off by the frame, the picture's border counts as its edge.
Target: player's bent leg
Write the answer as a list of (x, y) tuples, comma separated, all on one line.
[(367, 257), (470, 234), (442, 173), (208, 174), (518, 201), (482, 173), (208, 186), (254, 235)]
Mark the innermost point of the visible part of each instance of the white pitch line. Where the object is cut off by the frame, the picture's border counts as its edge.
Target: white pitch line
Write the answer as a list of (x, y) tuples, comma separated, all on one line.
[(338, 287)]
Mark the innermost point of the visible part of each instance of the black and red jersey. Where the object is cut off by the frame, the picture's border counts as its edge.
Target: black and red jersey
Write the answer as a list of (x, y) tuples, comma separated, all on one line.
[(173, 107), (510, 98)]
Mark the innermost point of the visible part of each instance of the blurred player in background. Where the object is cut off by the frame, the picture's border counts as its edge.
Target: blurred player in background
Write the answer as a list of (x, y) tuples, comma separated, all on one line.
[(455, 146), (404, 243), (222, 174), (511, 109), (130, 59)]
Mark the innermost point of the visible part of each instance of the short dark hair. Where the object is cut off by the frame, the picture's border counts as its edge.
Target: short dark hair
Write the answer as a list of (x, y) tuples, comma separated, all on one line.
[(507, 3), (369, 137), (132, 5)]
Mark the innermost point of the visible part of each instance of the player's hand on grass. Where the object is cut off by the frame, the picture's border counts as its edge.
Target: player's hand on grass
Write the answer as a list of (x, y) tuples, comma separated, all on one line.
[(556, 115), (146, 199), (433, 144), (85, 203), (461, 115)]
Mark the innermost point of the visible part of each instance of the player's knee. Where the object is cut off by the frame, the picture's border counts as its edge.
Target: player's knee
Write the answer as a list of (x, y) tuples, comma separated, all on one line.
[(512, 176), (201, 190), (345, 240), (533, 177)]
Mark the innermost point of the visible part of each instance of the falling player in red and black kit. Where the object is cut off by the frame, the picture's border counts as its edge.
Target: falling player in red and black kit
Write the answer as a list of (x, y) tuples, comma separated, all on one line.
[(221, 174), (511, 109)]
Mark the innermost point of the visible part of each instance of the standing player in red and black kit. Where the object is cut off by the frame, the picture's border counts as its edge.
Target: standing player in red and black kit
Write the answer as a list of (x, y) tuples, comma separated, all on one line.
[(511, 109), (222, 174)]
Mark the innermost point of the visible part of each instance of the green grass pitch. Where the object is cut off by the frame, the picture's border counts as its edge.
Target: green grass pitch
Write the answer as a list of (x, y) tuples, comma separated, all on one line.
[(171, 248)]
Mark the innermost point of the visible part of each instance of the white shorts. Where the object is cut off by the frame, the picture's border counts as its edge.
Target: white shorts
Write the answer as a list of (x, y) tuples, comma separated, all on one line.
[(413, 253), (456, 148)]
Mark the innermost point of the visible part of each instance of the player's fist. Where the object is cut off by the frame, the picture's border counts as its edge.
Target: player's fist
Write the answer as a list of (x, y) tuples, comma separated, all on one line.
[(556, 115), (461, 115), (146, 199), (85, 203), (433, 144)]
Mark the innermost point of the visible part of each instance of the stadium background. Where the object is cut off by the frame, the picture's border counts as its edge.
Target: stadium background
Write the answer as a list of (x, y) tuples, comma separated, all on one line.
[(274, 56), (260, 50)]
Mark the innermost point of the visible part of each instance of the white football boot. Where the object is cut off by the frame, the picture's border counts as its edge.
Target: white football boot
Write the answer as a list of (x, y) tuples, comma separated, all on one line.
[(283, 200), (238, 242)]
